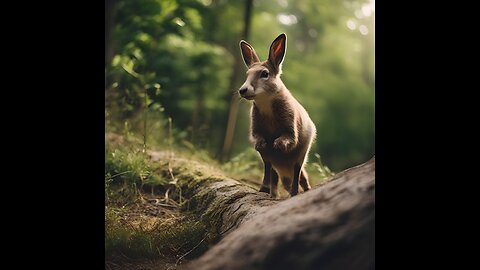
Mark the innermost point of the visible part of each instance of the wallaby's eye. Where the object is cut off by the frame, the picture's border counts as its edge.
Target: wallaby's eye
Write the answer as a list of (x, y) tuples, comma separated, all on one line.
[(264, 74)]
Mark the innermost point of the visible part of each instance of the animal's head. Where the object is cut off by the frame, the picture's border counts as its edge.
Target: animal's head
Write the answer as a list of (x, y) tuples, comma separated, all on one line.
[(263, 78)]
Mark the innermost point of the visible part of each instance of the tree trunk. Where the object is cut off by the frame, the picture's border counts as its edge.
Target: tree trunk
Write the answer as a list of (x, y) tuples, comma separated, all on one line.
[(331, 226), (234, 83)]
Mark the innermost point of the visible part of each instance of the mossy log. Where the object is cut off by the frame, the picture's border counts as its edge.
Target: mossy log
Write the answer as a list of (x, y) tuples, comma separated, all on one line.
[(222, 203), (332, 226)]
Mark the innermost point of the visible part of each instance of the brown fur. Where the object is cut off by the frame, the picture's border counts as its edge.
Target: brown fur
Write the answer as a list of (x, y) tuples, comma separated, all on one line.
[(281, 130)]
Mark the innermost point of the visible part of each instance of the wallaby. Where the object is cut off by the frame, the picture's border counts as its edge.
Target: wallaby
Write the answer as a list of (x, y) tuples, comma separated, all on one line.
[(281, 130)]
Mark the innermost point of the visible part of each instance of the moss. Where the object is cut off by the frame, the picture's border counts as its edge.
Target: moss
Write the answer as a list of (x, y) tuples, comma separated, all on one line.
[(214, 213), (192, 176), (205, 199)]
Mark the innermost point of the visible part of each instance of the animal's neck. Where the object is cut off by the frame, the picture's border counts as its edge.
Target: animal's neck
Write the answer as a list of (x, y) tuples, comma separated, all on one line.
[(264, 105), (264, 102)]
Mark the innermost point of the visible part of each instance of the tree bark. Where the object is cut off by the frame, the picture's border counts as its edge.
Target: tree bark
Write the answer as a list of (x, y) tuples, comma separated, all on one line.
[(234, 82), (331, 226)]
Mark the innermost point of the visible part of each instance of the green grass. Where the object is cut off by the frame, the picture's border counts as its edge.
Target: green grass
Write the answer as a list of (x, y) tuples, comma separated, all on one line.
[(173, 237), (248, 164), (128, 172), (317, 171)]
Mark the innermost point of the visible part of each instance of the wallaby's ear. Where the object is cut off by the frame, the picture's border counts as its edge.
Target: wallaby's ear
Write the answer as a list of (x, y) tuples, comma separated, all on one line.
[(248, 53), (277, 51)]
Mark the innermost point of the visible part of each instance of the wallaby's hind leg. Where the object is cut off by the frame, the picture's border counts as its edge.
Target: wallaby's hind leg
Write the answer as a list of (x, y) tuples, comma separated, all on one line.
[(304, 180), (273, 183), (266, 177), (296, 176), (287, 183)]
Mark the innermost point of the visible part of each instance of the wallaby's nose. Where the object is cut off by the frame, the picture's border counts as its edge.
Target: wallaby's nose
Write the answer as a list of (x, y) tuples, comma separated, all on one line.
[(242, 91)]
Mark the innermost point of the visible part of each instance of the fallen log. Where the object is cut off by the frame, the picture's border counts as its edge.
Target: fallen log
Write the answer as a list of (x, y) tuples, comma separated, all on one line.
[(331, 226)]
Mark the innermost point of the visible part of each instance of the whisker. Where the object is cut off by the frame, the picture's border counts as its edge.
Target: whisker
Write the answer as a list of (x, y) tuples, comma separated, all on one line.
[(242, 100)]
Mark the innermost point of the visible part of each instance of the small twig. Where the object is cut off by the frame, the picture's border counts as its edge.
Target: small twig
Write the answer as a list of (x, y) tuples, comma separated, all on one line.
[(166, 195), (174, 181), (170, 201), (161, 204), (176, 263), (118, 174), (170, 171), (166, 205)]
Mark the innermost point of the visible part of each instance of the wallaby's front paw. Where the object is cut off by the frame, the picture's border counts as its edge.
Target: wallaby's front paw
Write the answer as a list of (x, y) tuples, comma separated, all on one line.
[(260, 145), (282, 144)]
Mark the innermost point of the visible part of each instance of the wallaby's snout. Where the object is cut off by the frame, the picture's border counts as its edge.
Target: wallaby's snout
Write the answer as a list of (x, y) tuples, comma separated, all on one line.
[(246, 92), (242, 91)]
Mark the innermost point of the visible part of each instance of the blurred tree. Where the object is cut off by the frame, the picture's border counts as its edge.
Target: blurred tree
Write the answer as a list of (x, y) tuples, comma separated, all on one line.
[(235, 81)]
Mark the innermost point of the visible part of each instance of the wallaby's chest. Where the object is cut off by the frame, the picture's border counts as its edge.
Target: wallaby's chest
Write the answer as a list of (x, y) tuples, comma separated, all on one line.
[(270, 123)]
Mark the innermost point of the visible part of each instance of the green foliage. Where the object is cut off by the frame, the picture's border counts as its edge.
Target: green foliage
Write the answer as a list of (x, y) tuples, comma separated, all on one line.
[(159, 54)]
